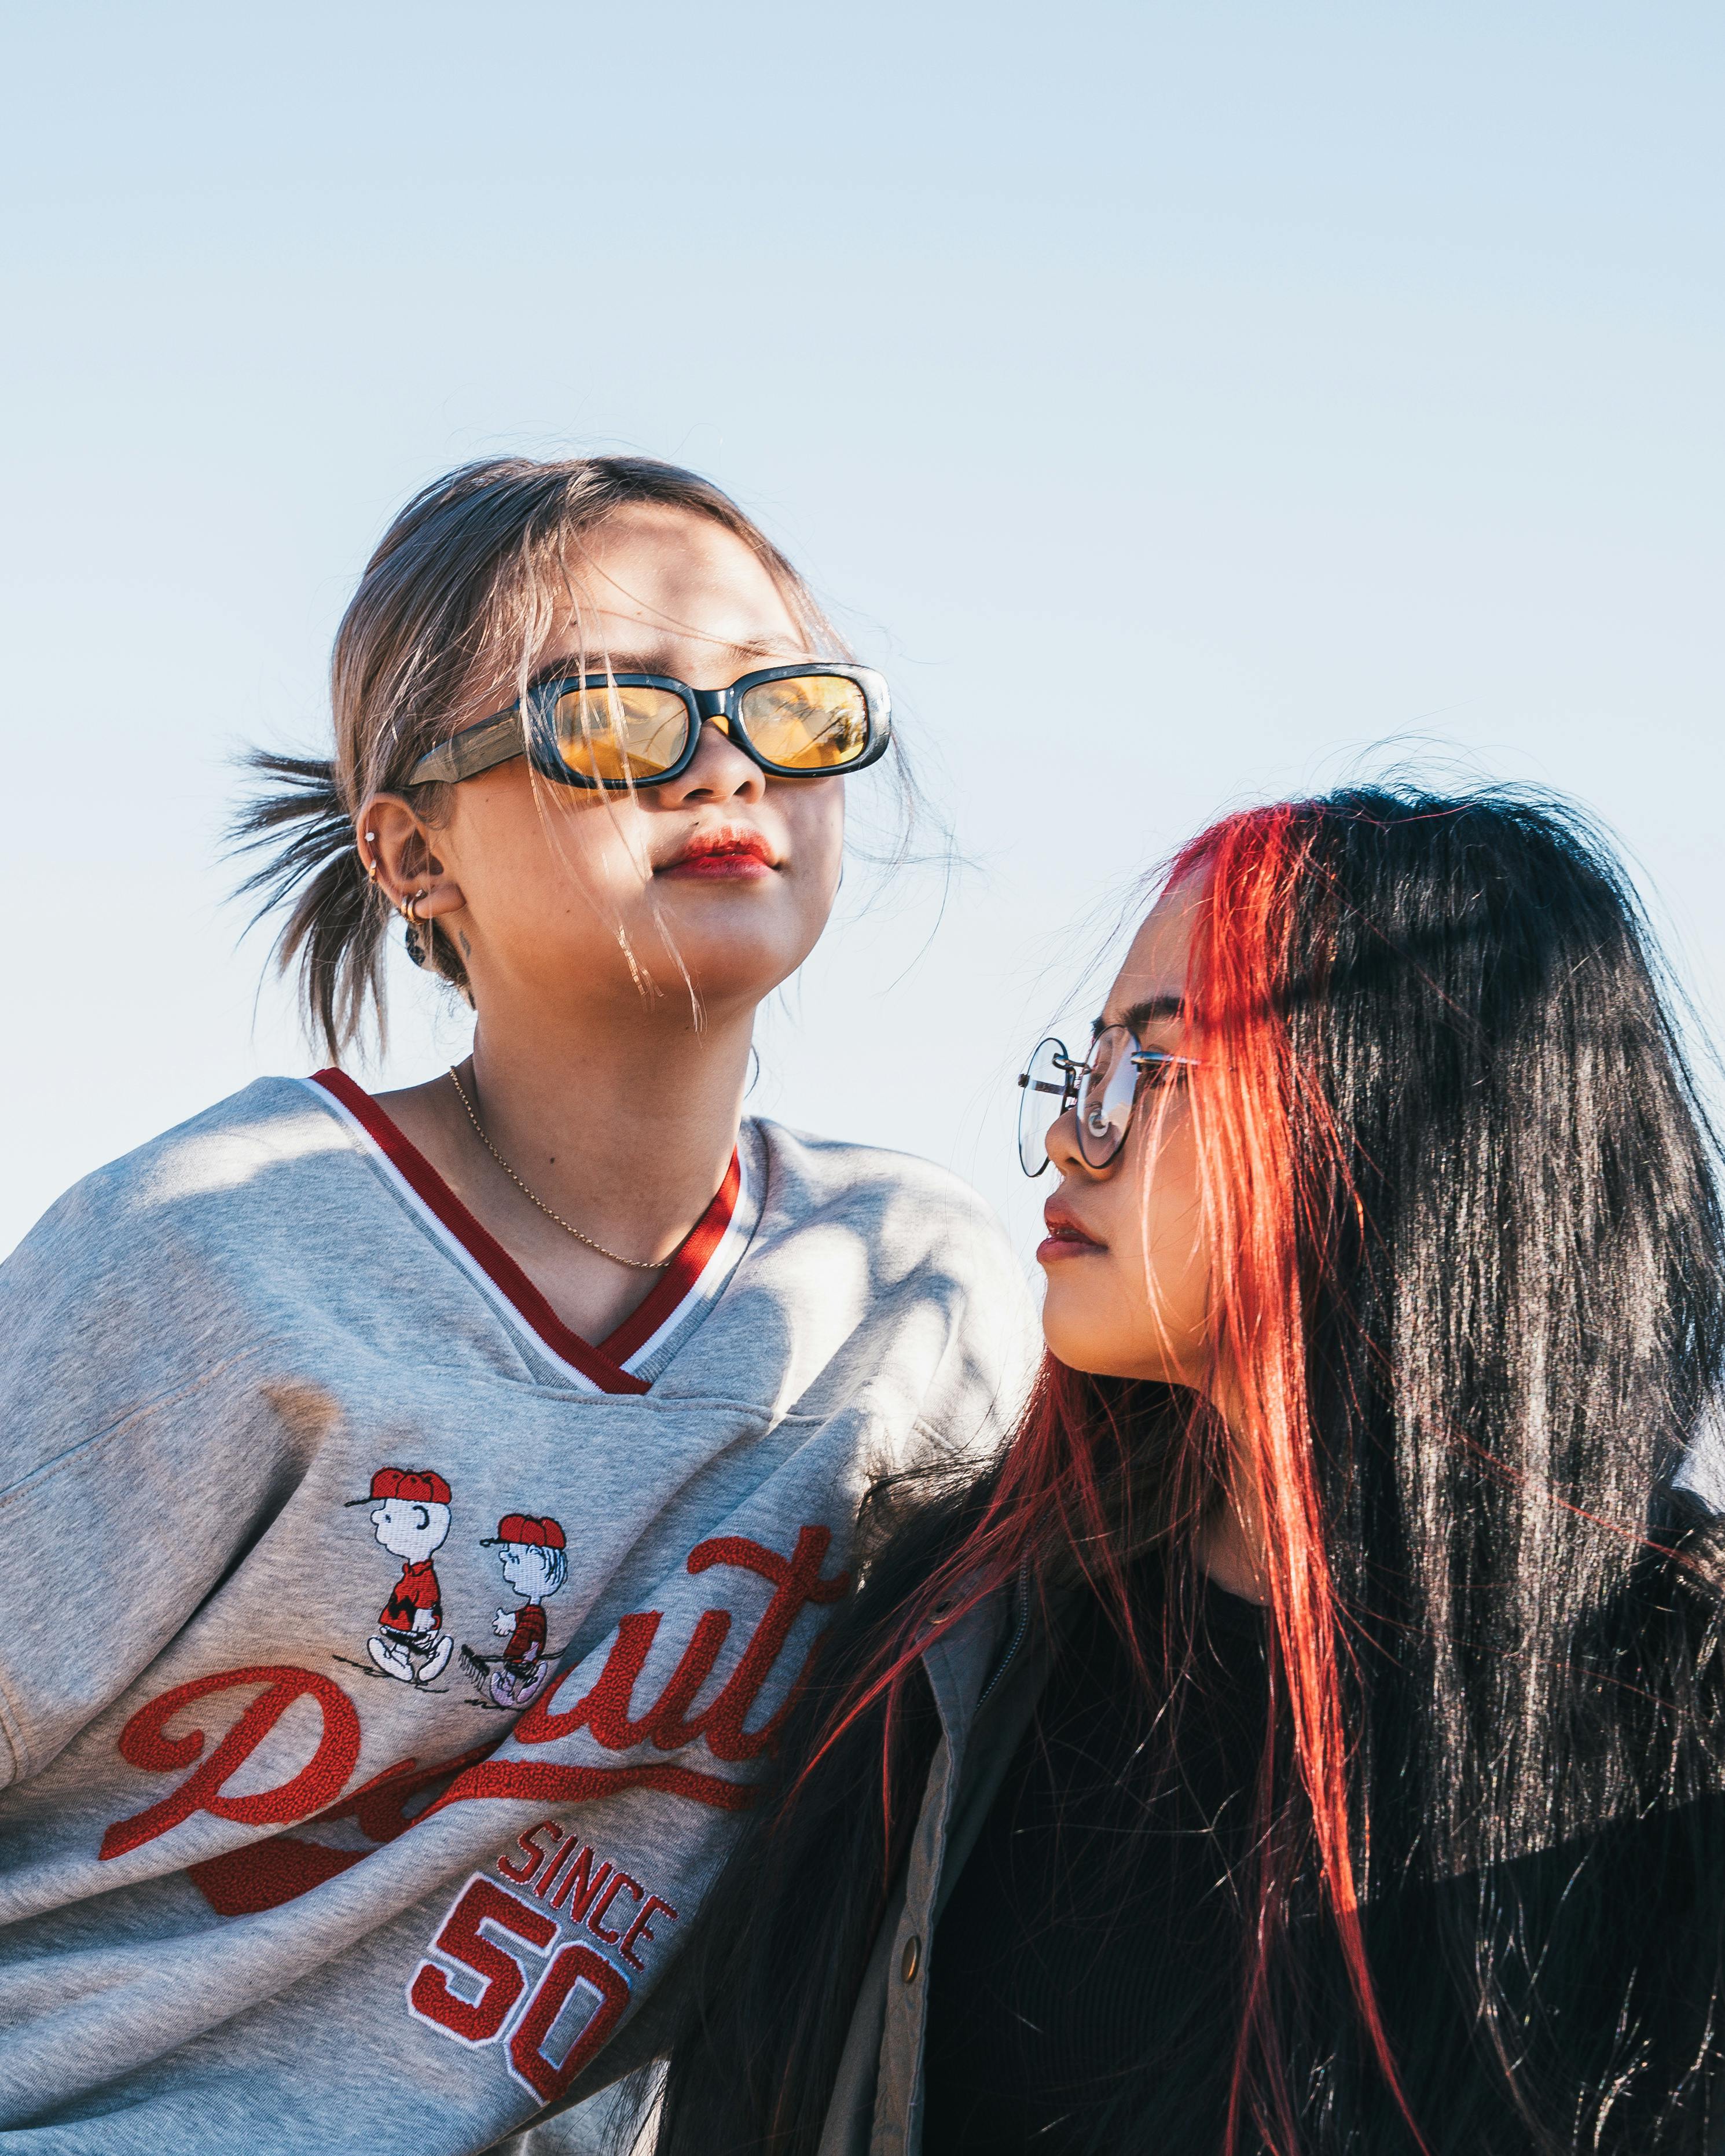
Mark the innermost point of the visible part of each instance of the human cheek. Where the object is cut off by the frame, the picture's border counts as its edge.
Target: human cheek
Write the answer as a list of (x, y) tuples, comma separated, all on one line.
[(1176, 1252), (1094, 1314), (597, 849), (1134, 1309), (813, 812), (521, 853)]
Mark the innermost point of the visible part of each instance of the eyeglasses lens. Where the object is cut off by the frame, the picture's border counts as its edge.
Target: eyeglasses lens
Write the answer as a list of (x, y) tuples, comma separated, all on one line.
[(1105, 1093), (808, 722), (1042, 1102), (621, 733)]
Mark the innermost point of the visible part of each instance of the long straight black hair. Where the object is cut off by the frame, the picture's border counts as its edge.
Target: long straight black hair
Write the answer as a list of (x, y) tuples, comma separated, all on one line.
[(1463, 1206)]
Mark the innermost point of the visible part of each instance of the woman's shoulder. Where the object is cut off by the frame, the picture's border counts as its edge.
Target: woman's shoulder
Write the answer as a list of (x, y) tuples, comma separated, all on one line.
[(221, 1166), (898, 1195), (912, 1245), (160, 1270)]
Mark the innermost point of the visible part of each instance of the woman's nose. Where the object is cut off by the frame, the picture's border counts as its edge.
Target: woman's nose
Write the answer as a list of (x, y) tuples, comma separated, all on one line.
[(718, 771), (1061, 1145)]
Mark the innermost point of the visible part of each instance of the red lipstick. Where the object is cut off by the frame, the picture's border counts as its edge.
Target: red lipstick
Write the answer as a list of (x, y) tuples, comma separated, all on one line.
[(724, 853), (1065, 1238)]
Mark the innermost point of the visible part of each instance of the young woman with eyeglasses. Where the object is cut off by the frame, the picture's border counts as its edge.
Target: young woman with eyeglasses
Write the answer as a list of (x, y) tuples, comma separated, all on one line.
[(415, 1509), (1309, 1737)]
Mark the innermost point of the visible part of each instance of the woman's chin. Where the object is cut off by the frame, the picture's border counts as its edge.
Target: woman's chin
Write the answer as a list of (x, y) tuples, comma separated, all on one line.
[(1092, 1350), (1082, 1338)]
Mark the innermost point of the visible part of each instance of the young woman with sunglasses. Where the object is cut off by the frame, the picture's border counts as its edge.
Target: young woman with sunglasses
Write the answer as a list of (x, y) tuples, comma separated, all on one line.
[(1309, 1738), (416, 1509)]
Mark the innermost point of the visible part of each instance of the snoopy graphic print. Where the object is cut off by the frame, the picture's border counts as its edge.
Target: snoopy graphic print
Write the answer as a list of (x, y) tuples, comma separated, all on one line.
[(533, 1554), (410, 1518), (281, 1867)]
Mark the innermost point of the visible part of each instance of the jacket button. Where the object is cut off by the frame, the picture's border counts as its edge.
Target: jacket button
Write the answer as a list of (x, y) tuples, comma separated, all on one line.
[(912, 1961)]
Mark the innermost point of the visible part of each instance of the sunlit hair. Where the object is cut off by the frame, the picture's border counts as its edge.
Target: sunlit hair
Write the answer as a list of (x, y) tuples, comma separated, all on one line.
[(1260, 1188), (462, 590), (1467, 1305)]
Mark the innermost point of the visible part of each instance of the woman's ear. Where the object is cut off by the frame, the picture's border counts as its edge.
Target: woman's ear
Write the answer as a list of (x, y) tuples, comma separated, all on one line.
[(397, 849)]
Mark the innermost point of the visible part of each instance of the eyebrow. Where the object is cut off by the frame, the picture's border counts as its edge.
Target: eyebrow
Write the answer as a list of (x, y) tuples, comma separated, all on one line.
[(1147, 1012)]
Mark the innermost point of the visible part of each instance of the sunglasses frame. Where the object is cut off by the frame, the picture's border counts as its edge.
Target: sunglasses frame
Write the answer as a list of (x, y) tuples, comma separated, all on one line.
[(508, 733)]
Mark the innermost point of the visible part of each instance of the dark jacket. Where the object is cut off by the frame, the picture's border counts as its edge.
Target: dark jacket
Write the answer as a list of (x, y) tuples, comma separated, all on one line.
[(987, 1675)]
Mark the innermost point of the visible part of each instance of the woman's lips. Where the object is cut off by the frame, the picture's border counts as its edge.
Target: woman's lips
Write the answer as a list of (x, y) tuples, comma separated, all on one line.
[(723, 856), (1065, 1238)]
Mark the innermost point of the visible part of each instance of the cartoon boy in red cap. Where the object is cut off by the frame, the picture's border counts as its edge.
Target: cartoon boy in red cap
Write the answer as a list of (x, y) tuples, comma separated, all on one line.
[(411, 1519), (535, 1564)]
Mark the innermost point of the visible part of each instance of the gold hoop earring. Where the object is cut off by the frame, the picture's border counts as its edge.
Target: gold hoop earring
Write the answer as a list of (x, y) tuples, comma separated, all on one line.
[(417, 946)]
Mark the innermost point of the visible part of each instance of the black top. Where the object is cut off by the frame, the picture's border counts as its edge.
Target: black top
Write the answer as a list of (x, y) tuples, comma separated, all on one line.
[(1084, 1985)]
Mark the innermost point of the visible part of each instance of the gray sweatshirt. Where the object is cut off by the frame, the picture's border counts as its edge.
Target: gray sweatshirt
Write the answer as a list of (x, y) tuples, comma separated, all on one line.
[(382, 1668)]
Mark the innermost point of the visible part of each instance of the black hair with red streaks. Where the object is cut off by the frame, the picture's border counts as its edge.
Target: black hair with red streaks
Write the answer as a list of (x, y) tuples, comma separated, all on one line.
[(1461, 1200)]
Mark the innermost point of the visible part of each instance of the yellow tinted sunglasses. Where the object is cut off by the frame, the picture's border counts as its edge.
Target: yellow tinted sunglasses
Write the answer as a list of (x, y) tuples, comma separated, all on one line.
[(625, 730)]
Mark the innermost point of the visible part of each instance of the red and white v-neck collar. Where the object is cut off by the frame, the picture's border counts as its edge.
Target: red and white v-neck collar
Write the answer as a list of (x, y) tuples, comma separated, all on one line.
[(698, 1270)]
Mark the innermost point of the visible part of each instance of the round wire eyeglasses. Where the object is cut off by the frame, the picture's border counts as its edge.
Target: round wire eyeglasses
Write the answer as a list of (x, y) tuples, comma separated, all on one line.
[(1105, 1090)]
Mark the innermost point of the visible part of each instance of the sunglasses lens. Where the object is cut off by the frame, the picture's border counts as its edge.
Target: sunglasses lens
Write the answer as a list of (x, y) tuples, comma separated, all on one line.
[(810, 722), (1042, 1100), (620, 732)]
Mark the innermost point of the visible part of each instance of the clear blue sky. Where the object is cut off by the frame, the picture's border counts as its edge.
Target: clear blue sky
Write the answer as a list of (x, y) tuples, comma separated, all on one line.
[(1177, 400)]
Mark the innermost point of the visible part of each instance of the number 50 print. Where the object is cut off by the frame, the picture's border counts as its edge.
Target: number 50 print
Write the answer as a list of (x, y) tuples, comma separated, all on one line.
[(501, 1966)]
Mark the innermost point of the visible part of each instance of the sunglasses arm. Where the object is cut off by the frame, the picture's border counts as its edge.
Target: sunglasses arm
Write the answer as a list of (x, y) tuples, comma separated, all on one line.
[(474, 749)]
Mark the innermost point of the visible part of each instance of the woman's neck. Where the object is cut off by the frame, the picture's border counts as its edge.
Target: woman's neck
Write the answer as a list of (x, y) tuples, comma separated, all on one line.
[(1232, 1558), (622, 1123), (1230, 1543), (633, 1125)]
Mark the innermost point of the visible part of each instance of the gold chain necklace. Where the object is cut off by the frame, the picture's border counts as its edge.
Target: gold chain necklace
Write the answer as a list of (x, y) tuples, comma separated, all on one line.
[(634, 1265)]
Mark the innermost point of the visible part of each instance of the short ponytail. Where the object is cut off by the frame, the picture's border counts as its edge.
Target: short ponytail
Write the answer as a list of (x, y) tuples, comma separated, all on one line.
[(458, 588), (334, 932)]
